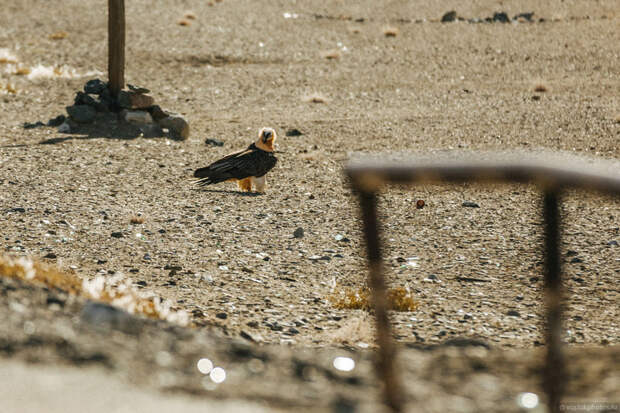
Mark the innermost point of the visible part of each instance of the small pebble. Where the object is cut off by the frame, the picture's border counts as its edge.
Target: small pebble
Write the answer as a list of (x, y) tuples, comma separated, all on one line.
[(298, 233), (469, 204)]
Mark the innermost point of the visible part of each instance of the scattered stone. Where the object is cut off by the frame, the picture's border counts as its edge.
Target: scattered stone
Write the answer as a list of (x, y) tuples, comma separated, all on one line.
[(17, 209), (293, 132), (213, 142), (613, 243), (101, 262), (64, 128), (501, 17), (536, 97), (576, 260), (82, 98), (247, 336), (81, 113), (298, 233), (526, 16), (449, 17), (28, 125), (513, 313), (95, 86), (57, 121), (293, 331), (147, 257), (469, 204), (137, 116), (142, 283), (177, 125), (117, 235), (571, 253), (50, 255), (222, 316), (138, 89), (420, 204)]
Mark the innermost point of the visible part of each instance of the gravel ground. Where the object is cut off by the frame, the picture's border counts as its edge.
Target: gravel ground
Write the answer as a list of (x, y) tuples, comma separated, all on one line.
[(230, 259)]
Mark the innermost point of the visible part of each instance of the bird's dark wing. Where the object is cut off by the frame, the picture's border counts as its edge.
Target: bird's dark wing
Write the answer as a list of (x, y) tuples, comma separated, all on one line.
[(239, 165)]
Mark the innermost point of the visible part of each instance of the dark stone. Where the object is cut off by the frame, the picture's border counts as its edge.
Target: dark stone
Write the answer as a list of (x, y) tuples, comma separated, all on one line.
[(576, 260), (501, 17), (50, 255), (81, 113), (84, 99), (28, 125), (293, 132), (469, 204), (613, 243), (213, 142), (95, 86), (571, 253), (449, 17), (134, 270), (18, 209), (100, 262), (298, 233), (141, 283), (57, 121), (173, 268), (117, 235), (55, 300), (513, 313), (222, 316)]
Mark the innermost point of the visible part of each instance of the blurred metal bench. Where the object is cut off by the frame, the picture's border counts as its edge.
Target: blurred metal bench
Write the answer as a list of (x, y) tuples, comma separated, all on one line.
[(550, 173)]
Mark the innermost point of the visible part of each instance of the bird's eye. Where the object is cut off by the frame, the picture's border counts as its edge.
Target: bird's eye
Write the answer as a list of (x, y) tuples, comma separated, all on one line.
[(267, 134)]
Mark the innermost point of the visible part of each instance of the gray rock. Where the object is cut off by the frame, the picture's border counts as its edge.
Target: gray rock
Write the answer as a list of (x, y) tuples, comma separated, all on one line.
[(137, 116), (64, 127), (82, 113), (213, 142), (176, 125), (95, 86), (106, 317), (469, 204), (513, 313), (298, 233)]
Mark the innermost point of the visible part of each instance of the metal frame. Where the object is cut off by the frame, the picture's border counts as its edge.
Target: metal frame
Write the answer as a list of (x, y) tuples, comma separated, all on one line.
[(551, 176)]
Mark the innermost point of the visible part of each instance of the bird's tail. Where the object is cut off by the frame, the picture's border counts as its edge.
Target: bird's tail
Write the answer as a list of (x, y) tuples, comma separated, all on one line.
[(208, 176)]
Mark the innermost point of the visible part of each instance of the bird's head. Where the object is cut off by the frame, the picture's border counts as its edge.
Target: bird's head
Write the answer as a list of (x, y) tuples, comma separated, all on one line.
[(266, 139)]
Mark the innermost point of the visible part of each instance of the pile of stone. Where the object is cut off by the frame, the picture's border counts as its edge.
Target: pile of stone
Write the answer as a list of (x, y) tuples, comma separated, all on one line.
[(133, 106)]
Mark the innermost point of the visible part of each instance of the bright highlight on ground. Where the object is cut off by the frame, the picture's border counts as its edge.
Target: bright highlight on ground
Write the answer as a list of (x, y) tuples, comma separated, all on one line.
[(344, 363), (527, 400), (204, 366)]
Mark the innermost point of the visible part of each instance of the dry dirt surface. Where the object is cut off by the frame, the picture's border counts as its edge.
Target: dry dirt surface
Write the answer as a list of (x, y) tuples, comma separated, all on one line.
[(368, 77)]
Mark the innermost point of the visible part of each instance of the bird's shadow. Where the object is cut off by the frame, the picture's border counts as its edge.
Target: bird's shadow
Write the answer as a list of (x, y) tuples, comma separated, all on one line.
[(228, 191)]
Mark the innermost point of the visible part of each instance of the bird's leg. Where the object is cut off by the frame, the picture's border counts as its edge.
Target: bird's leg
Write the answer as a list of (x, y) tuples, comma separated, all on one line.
[(260, 183), (245, 185)]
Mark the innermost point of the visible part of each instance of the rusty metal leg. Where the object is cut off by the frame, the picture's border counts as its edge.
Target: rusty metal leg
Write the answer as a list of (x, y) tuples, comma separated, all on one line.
[(554, 374), (385, 358)]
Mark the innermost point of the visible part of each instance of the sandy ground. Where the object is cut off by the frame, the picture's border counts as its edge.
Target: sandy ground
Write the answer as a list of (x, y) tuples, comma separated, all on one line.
[(230, 260)]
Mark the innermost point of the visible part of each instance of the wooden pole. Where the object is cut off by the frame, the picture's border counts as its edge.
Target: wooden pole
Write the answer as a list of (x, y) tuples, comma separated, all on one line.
[(116, 45)]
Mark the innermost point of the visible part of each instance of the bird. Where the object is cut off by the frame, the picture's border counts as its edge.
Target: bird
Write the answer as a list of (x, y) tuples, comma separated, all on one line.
[(248, 167)]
